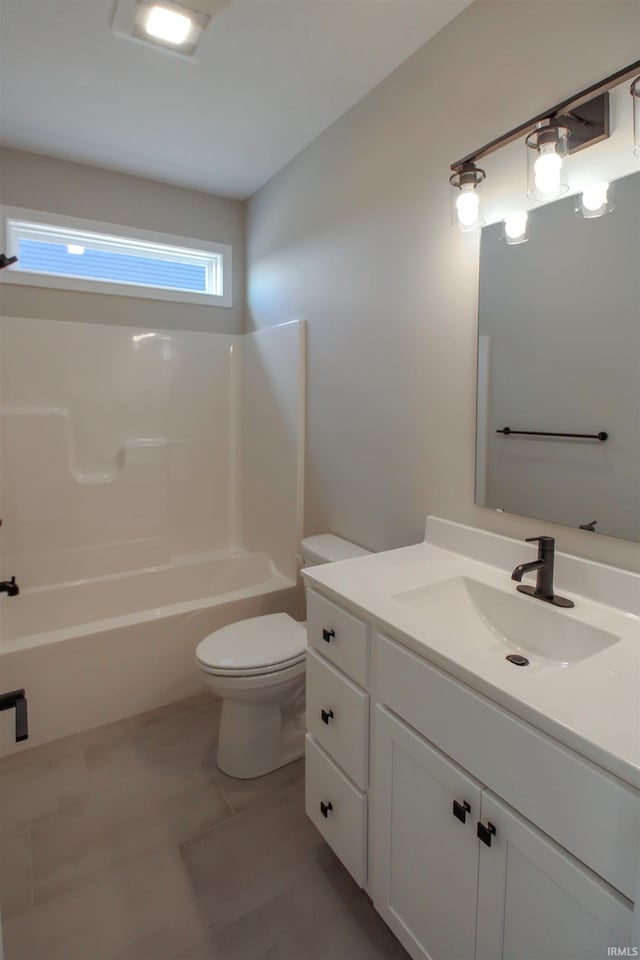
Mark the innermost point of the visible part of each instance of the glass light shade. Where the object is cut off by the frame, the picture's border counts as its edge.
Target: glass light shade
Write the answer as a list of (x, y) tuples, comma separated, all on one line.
[(635, 93), (466, 199), (595, 201), (515, 227), (547, 153)]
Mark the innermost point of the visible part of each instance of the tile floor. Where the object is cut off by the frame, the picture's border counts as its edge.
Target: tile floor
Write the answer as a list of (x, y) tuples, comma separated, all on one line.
[(127, 843)]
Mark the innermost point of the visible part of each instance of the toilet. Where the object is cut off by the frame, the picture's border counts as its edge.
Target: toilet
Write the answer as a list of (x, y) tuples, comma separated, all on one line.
[(257, 667)]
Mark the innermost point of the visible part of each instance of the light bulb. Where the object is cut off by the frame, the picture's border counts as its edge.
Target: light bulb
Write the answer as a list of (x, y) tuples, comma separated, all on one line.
[(468, 205), (168, 25), (548, 167), (515, 225), (595, 196)]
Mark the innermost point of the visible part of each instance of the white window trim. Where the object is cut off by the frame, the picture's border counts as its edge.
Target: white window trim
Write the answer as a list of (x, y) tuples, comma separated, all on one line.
[(109, 233)]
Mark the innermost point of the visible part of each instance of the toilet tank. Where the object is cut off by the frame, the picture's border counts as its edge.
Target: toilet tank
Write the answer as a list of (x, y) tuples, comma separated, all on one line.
[(326, 548)]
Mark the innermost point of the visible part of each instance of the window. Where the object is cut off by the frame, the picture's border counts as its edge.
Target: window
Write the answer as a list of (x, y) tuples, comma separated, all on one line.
[(79, 255)]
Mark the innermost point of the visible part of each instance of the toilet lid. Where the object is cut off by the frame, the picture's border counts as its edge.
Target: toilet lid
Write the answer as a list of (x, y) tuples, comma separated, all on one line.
[(261, 642)]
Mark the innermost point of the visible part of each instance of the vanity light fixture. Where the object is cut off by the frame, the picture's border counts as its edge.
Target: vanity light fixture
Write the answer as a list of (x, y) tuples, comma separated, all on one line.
[(515, 227), (595, 201), (466, 206), (635, 93), (571, 125), (547, 152)]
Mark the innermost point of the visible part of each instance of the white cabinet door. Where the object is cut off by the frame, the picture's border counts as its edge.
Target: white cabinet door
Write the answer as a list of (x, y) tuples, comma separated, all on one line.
[(424, 859), (537, 902)]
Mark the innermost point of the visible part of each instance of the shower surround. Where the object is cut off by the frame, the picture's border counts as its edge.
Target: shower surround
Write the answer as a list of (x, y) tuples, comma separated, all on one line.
[(151, 486)]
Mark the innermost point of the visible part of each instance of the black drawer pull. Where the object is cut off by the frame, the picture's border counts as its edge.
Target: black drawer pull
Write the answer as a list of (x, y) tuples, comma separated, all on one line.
[(325, 808), (326, 716), (460, 810), (328, 635), (485, 833)]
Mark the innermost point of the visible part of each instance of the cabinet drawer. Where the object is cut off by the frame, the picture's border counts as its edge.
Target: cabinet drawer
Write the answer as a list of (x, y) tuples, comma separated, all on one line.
[(338, 717), (584, 809), (337, 809), (339, 636)]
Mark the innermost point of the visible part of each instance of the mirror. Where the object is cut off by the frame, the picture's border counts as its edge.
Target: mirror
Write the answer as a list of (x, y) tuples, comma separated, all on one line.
[(559, 353)]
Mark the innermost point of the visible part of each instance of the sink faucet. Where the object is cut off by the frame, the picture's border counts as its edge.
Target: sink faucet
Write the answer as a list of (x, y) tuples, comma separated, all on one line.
[(10, 587), (543, 589)]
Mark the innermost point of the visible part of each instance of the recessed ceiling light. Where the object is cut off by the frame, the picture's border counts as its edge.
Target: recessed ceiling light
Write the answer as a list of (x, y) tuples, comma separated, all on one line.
[(168, 25), (165, 24)]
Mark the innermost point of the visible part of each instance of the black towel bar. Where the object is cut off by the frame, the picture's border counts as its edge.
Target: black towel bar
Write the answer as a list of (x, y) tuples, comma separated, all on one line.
[(507, 431)]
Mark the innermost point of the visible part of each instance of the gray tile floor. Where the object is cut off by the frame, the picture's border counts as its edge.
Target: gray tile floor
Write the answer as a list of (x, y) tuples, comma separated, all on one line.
[(127, 843)]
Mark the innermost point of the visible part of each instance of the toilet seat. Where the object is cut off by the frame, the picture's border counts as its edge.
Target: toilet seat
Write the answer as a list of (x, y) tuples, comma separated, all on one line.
[(256, 647), (274, 671)]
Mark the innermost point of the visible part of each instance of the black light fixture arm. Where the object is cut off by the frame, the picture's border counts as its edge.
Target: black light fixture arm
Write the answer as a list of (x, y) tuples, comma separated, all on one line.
[(562, 109)]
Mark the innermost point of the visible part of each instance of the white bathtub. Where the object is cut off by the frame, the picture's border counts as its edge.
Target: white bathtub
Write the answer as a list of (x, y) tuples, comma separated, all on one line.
[(94, 651)]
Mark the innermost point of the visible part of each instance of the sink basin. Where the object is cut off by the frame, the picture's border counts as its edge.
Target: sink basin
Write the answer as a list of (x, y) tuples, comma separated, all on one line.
[(505, 622)]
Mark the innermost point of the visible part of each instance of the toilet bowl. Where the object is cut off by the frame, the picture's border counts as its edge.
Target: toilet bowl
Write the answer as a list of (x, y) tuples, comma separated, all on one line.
[(257, 667)]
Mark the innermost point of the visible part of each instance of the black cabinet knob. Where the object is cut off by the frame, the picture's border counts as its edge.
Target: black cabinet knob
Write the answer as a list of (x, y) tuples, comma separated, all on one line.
[(326, 716), (486, 833), (325, 808), (460, 810), (328, 635)]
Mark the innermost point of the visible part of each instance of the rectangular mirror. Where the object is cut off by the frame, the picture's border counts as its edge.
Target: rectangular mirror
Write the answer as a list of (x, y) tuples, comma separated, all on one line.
[(559, 353)]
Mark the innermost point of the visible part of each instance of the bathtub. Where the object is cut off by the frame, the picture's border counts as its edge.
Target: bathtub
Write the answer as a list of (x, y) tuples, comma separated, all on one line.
[(93, 651)]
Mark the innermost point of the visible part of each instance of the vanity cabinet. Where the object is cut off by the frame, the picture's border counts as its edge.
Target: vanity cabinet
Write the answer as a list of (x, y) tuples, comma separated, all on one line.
[(337, 743), (477, 835), (447, 893), (424, 861), (537, 901)]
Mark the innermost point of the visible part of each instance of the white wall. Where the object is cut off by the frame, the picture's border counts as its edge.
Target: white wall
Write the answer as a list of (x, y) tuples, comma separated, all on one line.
[(354, 235), (76, 190)]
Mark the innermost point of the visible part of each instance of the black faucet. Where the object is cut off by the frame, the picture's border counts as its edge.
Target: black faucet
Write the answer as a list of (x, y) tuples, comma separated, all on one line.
[(543, 589), (10, 587)]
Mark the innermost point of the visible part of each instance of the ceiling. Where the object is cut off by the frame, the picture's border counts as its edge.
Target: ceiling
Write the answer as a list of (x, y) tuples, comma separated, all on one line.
[(270, 75)]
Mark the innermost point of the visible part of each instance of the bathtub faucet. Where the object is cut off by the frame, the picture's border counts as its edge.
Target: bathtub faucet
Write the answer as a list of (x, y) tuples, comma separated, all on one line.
[(10, 587)]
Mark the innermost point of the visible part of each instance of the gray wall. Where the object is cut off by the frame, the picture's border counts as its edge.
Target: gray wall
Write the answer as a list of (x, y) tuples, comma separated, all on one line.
[(354, 235), (73, 189)]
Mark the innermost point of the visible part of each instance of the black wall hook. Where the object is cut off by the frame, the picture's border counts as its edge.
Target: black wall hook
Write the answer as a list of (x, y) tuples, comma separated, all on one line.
[(6, 261)]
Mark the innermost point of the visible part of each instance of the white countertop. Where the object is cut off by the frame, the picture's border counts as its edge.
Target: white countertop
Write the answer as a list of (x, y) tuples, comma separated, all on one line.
[(591, 705)]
